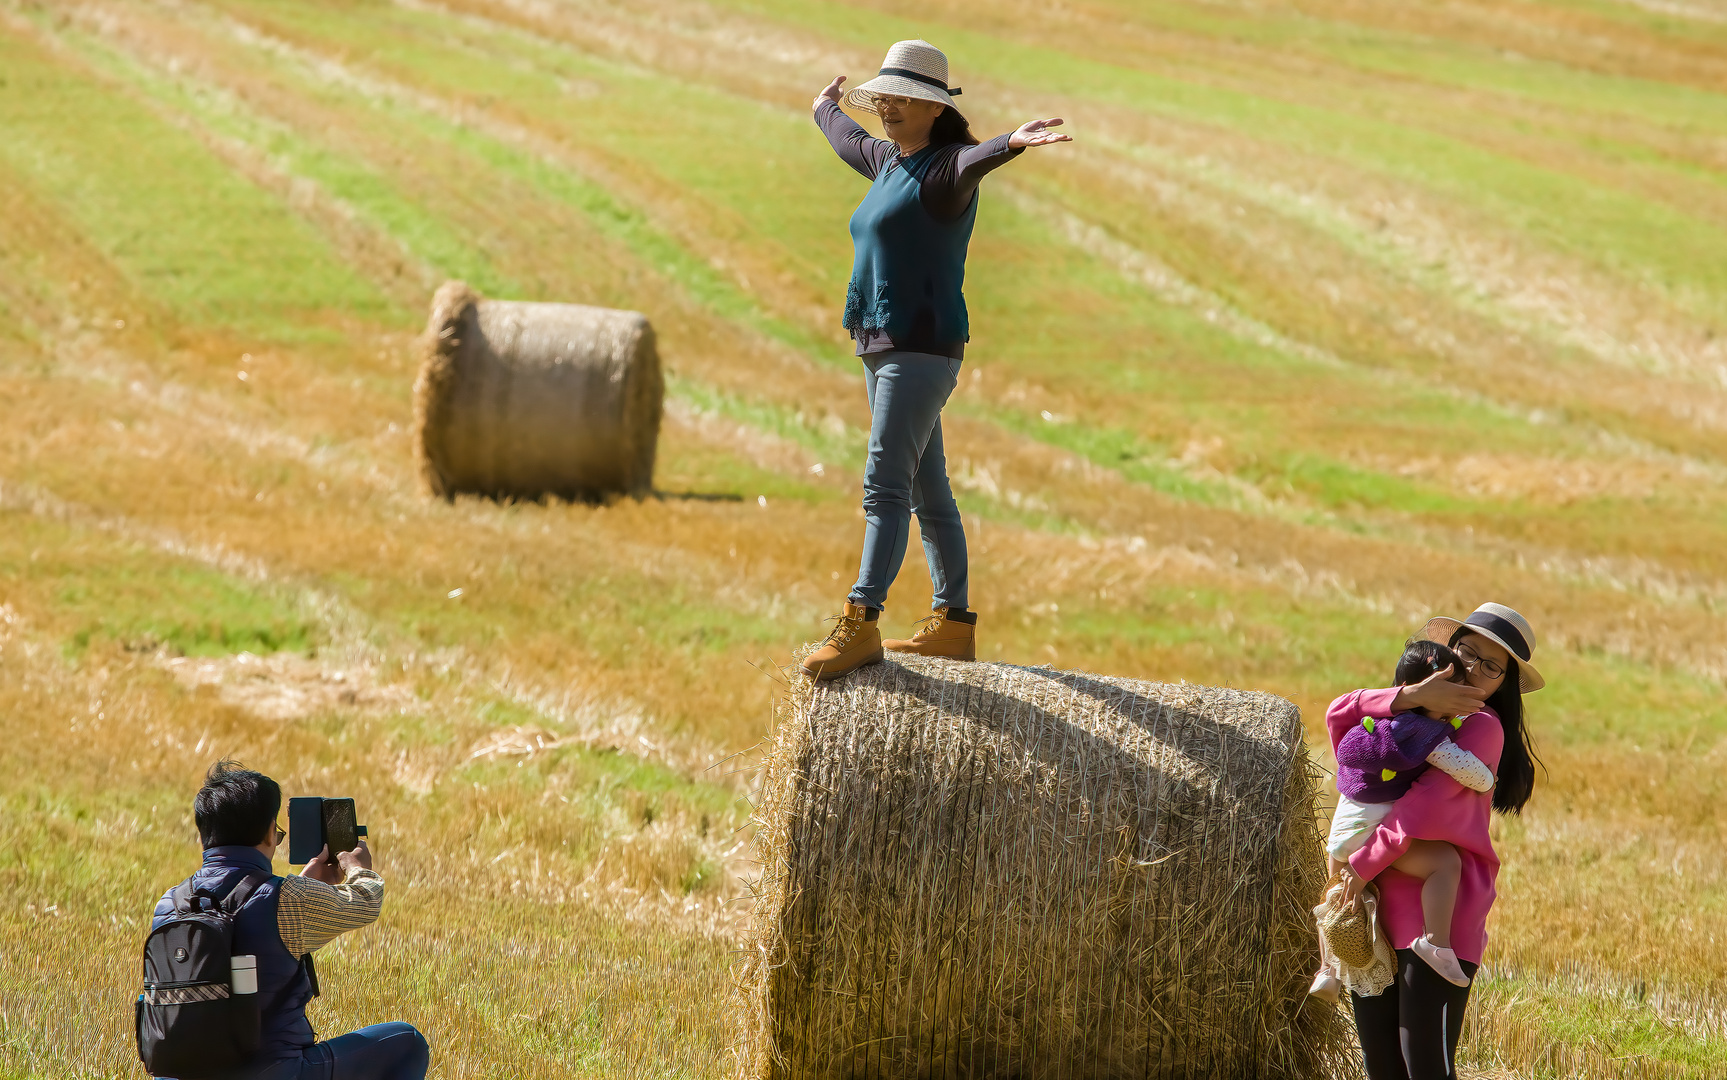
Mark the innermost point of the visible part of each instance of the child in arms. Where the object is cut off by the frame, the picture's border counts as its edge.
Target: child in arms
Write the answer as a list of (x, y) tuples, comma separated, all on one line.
[(1376, 764)]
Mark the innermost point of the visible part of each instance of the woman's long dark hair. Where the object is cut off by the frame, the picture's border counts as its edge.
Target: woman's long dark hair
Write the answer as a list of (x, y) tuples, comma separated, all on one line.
[(1517, 761), (951, 127)]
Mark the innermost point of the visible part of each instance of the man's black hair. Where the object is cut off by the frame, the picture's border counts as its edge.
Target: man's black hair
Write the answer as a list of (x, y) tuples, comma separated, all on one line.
[(235, 805), (1422, 658)]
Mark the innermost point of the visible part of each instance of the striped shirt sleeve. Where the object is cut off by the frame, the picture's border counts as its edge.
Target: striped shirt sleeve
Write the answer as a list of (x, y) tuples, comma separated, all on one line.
[(311, 914)]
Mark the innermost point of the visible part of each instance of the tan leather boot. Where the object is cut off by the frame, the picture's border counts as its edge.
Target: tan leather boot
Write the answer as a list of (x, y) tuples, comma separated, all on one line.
[(855, 641), (954, 638)]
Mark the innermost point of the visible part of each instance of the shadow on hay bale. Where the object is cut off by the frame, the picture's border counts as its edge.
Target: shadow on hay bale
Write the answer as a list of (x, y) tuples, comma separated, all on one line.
[(523, 400), (978, 870)]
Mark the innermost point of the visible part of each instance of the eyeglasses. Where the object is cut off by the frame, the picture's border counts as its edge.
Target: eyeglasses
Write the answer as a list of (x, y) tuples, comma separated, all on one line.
[(1473, 660), (281, 834)]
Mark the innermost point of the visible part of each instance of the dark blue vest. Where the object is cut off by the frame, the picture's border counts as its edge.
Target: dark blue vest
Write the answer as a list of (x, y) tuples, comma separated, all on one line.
[(908, 267), (283, 986)]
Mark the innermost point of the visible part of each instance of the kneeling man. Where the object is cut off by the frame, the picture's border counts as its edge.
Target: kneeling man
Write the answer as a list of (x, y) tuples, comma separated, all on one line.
[(281, 923)]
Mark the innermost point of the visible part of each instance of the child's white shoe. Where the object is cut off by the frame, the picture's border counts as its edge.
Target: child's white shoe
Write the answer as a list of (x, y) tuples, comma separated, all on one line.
[(1326, 987), (1443, 961)]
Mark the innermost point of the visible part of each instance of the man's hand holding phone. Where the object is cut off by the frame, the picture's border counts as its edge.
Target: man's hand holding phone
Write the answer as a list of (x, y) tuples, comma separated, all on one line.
[(322, 868), (358, 859), (335, 871)]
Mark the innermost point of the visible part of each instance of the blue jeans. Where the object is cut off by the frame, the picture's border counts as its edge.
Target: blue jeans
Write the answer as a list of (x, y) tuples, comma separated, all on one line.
[(906, 474), (392, 1051)]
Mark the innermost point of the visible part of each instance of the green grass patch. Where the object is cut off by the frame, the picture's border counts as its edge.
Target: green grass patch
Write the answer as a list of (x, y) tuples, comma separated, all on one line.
[(183, 226), (1604, 225), (1624, 1024), (105, 590)]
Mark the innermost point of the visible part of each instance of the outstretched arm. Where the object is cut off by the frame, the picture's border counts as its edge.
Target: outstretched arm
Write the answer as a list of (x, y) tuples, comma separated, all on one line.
[(1037, 133), (325, 900), (950, 184), (852, 143), (976, 162)]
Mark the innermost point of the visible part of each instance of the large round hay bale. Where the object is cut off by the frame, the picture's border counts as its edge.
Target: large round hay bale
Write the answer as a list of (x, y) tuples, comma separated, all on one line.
[(978, 870), (524, 400)]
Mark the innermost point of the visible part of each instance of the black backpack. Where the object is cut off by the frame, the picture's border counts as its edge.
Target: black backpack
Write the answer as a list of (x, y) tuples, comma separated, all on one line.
[(189, 1024)]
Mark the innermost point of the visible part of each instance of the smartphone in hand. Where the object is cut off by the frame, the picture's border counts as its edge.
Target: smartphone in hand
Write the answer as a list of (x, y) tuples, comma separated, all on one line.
[(314, 821)]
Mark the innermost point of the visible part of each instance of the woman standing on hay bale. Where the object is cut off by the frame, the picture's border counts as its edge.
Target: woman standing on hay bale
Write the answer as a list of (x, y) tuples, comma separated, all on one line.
[(906, 311), (1410, 1031)]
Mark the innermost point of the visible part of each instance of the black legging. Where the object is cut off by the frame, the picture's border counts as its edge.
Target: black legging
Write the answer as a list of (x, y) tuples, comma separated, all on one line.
[(1410, 1031)]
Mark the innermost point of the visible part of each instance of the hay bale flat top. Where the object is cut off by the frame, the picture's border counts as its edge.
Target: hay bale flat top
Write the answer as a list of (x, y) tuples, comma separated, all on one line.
[(1195, 733)]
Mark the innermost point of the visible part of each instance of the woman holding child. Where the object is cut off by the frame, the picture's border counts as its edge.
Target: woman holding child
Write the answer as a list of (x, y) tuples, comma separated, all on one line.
[(1424, 843)]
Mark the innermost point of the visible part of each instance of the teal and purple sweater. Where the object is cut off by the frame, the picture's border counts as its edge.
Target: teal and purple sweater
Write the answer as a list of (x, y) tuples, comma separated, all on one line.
[(909, 237)]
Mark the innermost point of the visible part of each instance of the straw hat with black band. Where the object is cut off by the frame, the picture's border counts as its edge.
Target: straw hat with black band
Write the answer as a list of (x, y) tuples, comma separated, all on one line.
[(914, 69), (1501, 625)]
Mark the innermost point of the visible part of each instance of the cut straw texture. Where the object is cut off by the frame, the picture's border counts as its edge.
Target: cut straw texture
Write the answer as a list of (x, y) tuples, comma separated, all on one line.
[(980, 870), (525, 400)]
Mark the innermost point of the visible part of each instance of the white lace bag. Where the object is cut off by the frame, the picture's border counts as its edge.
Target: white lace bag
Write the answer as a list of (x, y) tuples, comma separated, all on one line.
[(1352, 941)]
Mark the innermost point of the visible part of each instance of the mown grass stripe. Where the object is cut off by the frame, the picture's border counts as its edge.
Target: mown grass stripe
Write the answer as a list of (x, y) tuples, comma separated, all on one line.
[(186, 230)]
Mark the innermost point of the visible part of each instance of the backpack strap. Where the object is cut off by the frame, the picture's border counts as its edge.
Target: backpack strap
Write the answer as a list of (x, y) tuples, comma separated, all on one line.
[(242, 892), (190, 898), (181, 897)]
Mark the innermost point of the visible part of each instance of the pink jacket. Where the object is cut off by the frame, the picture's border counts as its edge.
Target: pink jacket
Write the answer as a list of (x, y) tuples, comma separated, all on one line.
[(1436, 808)]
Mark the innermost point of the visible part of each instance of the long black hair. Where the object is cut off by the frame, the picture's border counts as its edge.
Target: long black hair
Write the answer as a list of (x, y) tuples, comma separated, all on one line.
[(951, 127), (1517, 761)]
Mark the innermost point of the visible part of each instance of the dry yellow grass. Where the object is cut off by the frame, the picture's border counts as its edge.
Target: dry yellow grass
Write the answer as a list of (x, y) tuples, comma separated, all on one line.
[(1335, 316)]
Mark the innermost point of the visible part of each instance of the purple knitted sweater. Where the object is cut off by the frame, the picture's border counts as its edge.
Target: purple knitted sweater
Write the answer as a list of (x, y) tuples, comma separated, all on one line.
[(1377, 760)]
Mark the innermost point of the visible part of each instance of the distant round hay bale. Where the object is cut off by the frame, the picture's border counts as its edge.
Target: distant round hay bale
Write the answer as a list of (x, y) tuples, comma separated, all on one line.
[(524, 400), (978, 870)]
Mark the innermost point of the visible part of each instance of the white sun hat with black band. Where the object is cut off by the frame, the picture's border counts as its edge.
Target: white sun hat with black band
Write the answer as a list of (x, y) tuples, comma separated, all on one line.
[(913, 69), (1500, 624)]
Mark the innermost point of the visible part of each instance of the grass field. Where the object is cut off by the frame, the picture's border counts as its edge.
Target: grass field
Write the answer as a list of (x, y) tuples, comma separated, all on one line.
[(1334, 316)]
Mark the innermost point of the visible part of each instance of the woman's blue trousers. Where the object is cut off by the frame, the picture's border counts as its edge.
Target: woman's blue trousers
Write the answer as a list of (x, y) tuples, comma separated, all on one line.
[(906, 474)]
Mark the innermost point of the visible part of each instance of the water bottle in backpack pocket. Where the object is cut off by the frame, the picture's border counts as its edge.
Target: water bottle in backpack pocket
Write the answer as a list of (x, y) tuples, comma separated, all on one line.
[(198, 1013)]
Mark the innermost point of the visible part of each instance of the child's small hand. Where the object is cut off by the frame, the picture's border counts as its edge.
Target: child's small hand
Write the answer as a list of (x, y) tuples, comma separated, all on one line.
[(1353, 882)]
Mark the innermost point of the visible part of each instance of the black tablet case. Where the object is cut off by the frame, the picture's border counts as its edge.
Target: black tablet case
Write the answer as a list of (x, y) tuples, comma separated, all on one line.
[(305, 829), (314, 821)]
